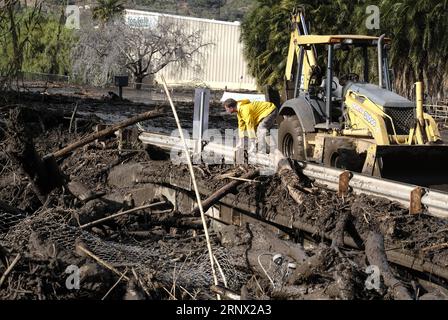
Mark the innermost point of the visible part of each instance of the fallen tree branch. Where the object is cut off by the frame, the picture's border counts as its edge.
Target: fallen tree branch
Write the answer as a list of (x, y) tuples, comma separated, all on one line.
[(290, 179), (222, 192), (116, 284), (110, 130), (227, 293), (9, 269), (119, 214), (100, 261), (393, 255), (376, 255), (140, 283), (196, 189), (338, 238)]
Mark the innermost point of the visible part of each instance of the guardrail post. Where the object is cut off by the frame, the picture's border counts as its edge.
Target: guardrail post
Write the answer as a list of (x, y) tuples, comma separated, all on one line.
[(416, 206), (344, 183)]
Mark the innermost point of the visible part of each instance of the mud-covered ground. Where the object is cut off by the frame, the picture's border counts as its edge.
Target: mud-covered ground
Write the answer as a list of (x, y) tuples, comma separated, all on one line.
[(160, 252)]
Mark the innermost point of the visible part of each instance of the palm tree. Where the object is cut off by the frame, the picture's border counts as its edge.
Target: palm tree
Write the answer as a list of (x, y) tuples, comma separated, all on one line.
[(420, 48), (107, 10), (266, 32), (418, 29)]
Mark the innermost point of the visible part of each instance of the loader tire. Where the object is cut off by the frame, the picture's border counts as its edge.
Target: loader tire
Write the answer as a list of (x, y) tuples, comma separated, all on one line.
[(290, 138)]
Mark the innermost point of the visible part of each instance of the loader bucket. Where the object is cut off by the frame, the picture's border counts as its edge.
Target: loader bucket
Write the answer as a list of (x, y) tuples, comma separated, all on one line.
[(425, 166)]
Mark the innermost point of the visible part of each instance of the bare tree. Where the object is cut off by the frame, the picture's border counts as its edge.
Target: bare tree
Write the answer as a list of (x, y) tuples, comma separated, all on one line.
[(117, 47), (95, 57)]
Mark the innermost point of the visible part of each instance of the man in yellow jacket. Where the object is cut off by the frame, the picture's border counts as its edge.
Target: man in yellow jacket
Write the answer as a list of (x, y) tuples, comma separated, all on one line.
[(255, 119)]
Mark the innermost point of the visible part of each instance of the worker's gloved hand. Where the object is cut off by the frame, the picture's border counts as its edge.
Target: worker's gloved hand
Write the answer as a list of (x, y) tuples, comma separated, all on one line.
[(240, 143), (239, 151), (252, 147)]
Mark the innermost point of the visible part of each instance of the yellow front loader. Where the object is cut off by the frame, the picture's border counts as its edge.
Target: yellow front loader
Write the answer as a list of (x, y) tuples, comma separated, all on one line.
[(349, 122)]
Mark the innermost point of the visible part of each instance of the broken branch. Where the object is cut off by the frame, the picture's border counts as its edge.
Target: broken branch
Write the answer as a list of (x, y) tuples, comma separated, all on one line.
[(222, 192), (110, 130), (377, 257), (289, 178), (8, 271), (100, 261), (227, 293), (116, 215)]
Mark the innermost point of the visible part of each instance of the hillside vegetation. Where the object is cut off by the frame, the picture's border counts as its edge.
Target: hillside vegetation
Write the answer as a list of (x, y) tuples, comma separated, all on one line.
[(229, 10)]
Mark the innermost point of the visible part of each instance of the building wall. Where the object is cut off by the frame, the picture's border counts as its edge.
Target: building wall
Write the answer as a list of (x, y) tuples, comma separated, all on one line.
[(219, 65)]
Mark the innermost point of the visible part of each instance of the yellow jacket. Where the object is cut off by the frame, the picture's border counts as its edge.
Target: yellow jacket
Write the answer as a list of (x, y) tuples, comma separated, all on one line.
[(250, 114)]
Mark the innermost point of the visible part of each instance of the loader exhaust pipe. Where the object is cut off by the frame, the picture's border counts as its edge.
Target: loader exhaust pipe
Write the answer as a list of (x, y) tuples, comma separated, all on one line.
[(380, 60), (421, 134), (419, 101)]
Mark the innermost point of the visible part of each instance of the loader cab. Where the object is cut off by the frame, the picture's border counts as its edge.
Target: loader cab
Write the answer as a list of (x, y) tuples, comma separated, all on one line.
[(318, 58)]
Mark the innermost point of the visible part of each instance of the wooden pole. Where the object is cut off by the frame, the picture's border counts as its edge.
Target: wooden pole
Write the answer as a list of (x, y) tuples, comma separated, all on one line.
[(196, 189)]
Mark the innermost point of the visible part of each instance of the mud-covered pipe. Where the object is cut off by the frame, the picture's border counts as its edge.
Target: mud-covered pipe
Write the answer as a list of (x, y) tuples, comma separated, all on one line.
[(419, 100), (380, 60)]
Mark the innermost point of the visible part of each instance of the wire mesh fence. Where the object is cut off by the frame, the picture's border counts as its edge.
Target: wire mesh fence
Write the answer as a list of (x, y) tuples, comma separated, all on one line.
[(42, 77), (160, 260)]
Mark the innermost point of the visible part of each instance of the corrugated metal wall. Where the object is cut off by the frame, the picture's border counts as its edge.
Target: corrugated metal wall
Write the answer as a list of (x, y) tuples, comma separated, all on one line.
[(220, 64)]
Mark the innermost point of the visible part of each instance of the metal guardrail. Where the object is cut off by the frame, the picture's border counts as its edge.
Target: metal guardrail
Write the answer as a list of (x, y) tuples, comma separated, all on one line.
[(434, 202)]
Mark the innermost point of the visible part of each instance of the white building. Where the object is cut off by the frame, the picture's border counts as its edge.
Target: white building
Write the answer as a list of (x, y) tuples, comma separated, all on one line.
[(219, 65)]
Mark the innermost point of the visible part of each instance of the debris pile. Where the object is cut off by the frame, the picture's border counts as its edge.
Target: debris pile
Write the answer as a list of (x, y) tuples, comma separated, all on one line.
[(107, 223)]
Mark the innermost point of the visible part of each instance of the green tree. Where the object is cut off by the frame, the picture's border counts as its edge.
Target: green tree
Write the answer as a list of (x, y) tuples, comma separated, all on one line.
[(205, 8), (420, 43), (33, 41), (16, 26), (106, 10), (49, 47)]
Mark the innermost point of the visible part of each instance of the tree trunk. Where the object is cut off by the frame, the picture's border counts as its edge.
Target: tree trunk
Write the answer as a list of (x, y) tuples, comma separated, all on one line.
[(17, 62), (376, 255), (138, 81), (109, 130), (54, 68)]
